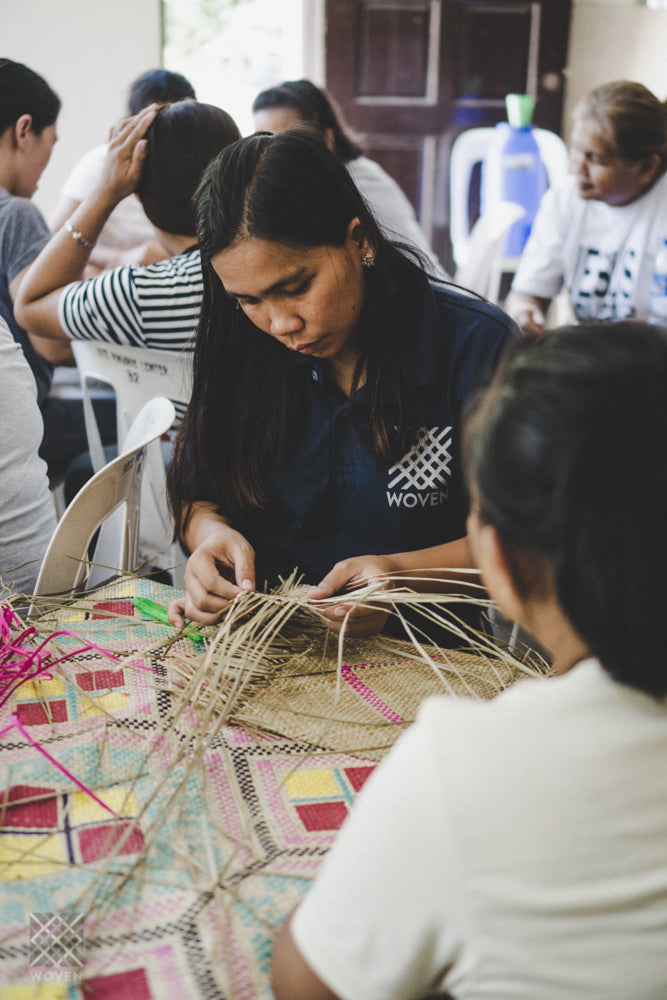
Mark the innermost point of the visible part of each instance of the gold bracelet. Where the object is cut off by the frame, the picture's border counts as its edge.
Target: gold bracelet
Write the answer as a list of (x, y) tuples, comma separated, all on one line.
[(78, 237)]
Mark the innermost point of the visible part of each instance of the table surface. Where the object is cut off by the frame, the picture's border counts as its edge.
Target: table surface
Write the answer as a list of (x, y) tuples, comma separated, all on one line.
[(135, 861)]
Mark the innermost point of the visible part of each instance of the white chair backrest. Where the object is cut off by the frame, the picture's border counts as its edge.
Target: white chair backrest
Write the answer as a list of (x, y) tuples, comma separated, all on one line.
[(470, 148), (65, 567), (136, 374), (482, 269)]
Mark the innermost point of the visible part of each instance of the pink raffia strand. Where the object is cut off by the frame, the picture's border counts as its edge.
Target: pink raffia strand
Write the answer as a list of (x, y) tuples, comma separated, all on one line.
[(20, 663), (16, 724), (368, 695)]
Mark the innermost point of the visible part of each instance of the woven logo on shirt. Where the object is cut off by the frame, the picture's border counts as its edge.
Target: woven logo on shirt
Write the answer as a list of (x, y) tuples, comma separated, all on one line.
[(419, 478), (56, 941)]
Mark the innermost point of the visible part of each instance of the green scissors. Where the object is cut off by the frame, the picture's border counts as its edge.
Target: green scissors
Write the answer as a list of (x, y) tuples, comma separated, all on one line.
[(158, 613)]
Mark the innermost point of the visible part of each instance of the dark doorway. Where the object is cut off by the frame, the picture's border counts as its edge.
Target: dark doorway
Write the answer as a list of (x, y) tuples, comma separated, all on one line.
[(410, 75)]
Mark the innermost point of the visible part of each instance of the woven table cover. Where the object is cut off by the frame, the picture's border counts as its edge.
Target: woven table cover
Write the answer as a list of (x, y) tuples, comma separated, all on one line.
[(141, 858)]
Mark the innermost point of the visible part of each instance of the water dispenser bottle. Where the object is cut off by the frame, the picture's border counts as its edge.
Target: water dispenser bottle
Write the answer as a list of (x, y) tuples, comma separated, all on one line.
[(513, 170)]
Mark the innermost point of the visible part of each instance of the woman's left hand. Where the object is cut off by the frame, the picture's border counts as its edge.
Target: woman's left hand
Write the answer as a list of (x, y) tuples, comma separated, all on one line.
[(357, 619), (126, 154)]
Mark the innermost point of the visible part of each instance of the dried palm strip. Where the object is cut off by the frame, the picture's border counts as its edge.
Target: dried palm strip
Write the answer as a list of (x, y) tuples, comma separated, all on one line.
[(266, 637)]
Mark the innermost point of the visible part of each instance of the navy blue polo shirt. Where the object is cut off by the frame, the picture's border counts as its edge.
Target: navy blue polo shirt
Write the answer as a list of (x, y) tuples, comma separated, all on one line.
[(331, 497)]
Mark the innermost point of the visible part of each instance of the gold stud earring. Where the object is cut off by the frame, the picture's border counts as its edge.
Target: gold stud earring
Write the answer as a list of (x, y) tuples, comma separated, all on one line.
[(368, 259)]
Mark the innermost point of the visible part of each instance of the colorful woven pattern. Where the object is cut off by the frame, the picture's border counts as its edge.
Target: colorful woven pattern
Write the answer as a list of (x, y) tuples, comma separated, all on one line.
[(219, 849), (142, 858)]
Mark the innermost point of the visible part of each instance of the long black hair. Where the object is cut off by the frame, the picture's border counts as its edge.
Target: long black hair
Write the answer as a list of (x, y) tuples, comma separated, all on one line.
[(289, 189), (566, 456), (158, 86), (182, 139), (314, 107)]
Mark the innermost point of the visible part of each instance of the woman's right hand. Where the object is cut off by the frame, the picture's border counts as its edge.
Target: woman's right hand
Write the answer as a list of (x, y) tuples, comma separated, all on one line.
[(220, 568), (125, 157), (357, 619)]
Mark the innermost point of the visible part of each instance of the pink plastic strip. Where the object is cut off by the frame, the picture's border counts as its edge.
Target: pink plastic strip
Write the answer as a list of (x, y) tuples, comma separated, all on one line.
[(369, 696), (16, 724), (20, 663)]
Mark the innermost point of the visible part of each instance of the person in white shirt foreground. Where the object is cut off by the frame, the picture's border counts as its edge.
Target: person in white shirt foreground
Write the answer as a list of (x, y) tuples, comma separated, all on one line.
[(597, 233), (27, 514), (517, 848)]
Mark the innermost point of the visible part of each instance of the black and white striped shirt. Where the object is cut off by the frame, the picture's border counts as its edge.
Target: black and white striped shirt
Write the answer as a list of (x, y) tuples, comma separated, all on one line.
[(155, 306)]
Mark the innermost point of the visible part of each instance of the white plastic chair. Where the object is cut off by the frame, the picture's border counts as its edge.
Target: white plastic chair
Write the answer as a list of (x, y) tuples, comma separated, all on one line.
[(136, 374), (483, 269), (470, 148), (66, 384), (114, 490)]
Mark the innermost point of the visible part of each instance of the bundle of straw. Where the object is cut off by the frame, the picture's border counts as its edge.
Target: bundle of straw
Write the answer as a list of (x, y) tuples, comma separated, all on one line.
[(273, 665)]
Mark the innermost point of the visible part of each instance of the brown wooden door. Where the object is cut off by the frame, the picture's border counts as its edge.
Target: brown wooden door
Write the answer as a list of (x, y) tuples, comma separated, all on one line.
[(410, 75)]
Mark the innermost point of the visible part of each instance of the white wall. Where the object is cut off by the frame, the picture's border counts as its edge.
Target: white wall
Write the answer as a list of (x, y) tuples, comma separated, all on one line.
[(614, 40), (89, 52)]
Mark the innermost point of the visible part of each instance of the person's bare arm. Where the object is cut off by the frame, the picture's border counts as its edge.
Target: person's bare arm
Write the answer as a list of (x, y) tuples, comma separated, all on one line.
[(291, 976), (65, 207), (57, 352), (445, 568), (105, 255), (64, 259), (437, 568)]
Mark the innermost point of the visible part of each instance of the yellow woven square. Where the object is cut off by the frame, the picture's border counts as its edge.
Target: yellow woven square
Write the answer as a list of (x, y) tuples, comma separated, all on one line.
[(312, 784), (25, 855), (86, 810), (114, 701), (34, 991), (41, 688)]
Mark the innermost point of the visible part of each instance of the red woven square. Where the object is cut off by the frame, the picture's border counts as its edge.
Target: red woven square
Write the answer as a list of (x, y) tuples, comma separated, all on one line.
[(33, 713), (322, 815), (30, 815), (130, 985), (117, 607), (98, 680), (96, 842), (358, 776)]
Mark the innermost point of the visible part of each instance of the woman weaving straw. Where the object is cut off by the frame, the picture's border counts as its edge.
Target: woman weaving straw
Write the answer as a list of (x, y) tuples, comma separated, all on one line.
[(329, 376), (517, 848)]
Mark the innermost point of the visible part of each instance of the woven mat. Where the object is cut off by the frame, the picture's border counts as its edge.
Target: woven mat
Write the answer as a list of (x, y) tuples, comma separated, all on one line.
[(363, 709), (139, 860)]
